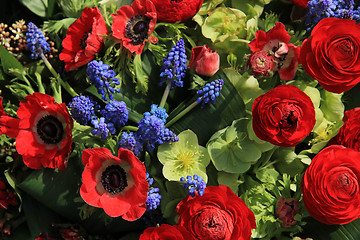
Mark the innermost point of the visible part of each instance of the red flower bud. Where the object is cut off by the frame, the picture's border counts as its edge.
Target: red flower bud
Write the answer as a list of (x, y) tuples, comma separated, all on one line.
[(204, 61), (260, 63), (286, 209)]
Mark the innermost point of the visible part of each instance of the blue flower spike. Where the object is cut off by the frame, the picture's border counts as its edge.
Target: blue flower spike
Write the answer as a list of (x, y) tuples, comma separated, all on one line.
[(82, 109), (194, 184), (101, 128), (36, 41), (153, 199), (209, 92), (116, 112), (103, 78), (131, 142)]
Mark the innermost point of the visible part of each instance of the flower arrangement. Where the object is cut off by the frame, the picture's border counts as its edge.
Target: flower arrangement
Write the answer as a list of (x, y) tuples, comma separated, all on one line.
[(180, 119)]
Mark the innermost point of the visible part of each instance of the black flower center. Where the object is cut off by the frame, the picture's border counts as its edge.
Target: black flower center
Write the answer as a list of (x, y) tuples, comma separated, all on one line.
[(114, 179), (50, 129), (137, 28), (84, 38)]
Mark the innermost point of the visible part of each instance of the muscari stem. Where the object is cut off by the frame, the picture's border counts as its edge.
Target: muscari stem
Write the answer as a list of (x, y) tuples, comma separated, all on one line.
[(65, 85), (166, 93), (181, 114), (130, 128)]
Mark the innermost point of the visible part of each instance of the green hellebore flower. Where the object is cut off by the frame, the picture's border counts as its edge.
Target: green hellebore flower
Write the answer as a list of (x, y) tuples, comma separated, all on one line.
[(184, 158)]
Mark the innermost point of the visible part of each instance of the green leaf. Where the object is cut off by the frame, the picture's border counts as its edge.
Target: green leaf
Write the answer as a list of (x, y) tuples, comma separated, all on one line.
[(208, 120), (141, 78), (8, 62), (231, 180), (39, 7)]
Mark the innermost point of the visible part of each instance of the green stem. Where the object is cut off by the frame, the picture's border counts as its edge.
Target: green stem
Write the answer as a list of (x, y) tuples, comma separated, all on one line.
[(166, 93), (65, 85), (181, 114), (130, 128)]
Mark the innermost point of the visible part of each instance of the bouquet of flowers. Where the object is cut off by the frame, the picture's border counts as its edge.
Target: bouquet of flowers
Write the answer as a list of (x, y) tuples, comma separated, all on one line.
[(180, 119)]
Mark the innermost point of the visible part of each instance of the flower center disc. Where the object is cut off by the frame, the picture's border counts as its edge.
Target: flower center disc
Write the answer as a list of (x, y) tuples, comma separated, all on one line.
[(137, 28), (113, 179), (50, 129)]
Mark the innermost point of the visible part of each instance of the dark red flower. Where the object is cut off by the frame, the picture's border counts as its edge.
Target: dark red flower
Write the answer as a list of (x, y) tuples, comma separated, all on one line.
[(331, 54), (134, 24), (176, 10), (166, 231), (84, 39), (43, 131), (331, 185), (349, 133), (116, 184), (217, 214), (204, 61), (260, 64), (283, 116), (276, 42), (286, 209), (300, 3), (2, 113), (8, 196)]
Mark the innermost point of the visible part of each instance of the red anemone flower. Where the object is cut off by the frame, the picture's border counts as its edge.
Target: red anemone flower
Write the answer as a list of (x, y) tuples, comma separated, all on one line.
[(43, 131), (176, 10), (116, 184), (133, 24), (84, 39), (276, 41)]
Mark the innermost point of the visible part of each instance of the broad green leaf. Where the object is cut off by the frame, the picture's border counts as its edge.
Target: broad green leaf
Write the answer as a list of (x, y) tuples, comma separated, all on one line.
[(206, 121), (332, 106), (8, 61), (39, 7), (231, 180)]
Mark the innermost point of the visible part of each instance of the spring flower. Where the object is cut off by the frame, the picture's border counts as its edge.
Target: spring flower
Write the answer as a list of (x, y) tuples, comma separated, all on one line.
[(197, 185), (261, 64), (132, 25), (101, 128), (116, 184), (286, 209), (184, 158), (153, 196), (204, 61), (276, 42), (158, 112), (43, 131), (131, 142), (103, 78), (166, 231), (116, 112), (176, 10), (82, 109), (36, 41), (174, 65), (319, 9), (84, 39), (210, 91)]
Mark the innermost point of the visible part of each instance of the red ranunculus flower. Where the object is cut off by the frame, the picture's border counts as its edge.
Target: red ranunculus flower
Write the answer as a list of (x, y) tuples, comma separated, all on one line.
[(166, 231), (176, 10), (116, 184), (43, 131), (217, 214), (204, 61), (331, 184), (286, 209), (260, 64), (283, 116), (300, 3), (349, 133), (84, 39), (331, 54), (276, 42), (133, 25)]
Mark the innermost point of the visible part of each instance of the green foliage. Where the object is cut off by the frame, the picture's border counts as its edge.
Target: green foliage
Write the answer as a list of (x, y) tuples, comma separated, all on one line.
[(74, 8), (42, 8)]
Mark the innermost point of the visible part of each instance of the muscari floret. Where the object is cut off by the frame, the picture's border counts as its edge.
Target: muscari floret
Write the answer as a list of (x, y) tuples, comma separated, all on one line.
[(36, 41), (82, 109), (194, 184), (116, 112)]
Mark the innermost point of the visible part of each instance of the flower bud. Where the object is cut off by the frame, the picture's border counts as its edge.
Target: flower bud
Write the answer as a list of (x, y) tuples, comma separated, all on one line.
[(286, 209), (260, 64), (204, 61)]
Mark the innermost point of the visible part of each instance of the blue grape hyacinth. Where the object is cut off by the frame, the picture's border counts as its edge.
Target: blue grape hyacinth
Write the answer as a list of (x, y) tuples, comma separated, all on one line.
[(101, 128), (116, 112), (158, 112), (36, 41), (319, 9), (174, 65), (210, 91), (82, 109), (103, 78), (194, 184), (131, 142), (153, 196)]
